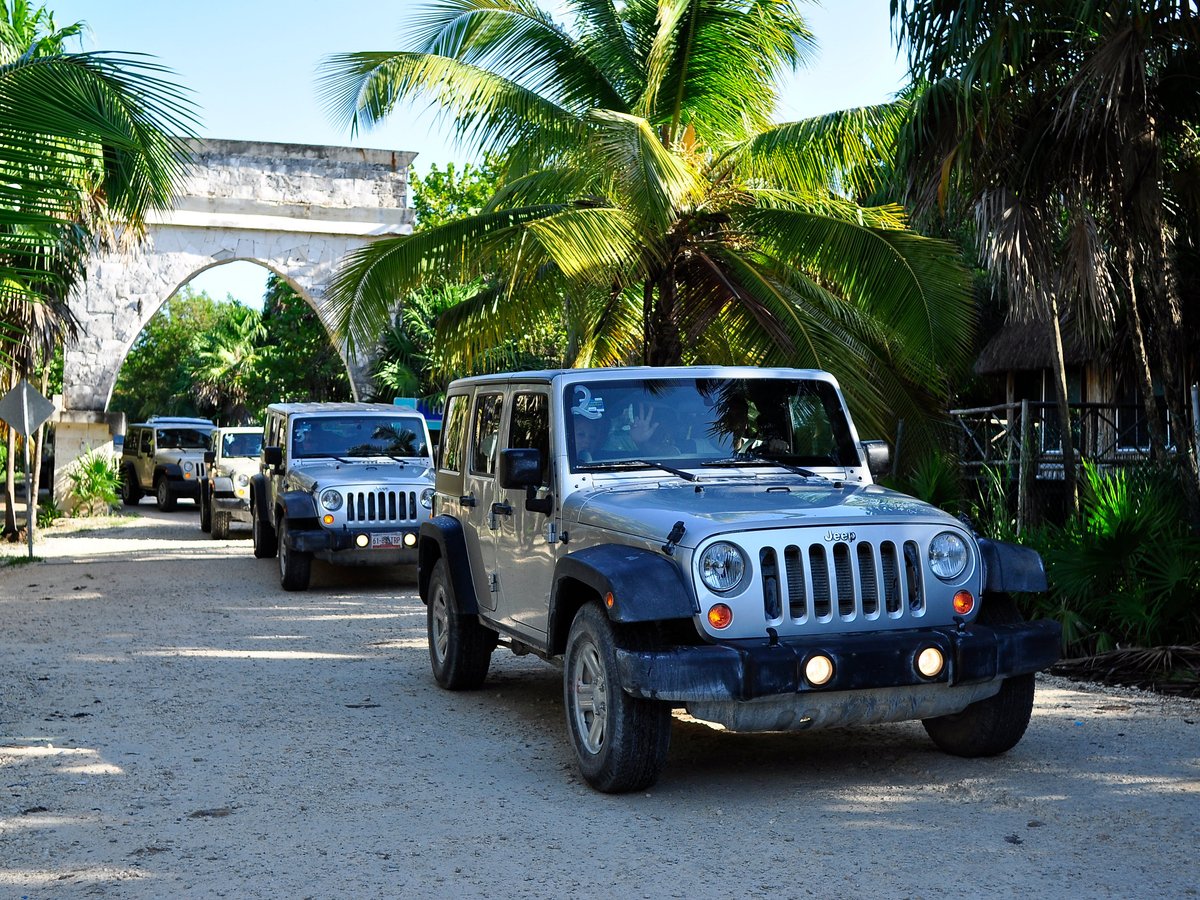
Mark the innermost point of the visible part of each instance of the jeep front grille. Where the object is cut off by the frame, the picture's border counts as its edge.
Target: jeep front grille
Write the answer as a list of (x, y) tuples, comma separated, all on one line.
[(841, 582), (381, 506)]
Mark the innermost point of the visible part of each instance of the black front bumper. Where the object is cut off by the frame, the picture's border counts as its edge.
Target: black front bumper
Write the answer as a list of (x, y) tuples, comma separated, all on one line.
[(744, 670), (341, 547)]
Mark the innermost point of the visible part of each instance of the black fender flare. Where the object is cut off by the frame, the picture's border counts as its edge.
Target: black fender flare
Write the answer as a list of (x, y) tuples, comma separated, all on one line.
[(170, 471), (1009, 568), (300, 508), (646, 586), (442, 537)]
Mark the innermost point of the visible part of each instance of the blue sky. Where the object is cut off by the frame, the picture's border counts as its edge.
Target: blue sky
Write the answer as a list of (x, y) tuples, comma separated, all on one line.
[(251, 67)]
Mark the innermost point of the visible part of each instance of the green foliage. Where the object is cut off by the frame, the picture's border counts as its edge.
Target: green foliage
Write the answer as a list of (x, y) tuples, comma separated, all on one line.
[(936, 479), (445, 195), (95, 483), (48, 513), (156, 378), (299, 361), (1127, 571), (227, 361), (413, 362)]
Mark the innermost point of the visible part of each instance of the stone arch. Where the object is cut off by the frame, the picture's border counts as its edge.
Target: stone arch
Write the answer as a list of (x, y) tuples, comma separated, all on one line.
[(293, 208)]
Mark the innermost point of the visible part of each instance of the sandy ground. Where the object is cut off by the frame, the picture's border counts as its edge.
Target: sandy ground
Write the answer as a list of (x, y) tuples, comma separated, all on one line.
[(173, 724)]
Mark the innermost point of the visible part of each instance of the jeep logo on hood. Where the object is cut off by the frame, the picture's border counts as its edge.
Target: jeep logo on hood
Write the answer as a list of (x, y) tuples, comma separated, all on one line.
[(847, 536)]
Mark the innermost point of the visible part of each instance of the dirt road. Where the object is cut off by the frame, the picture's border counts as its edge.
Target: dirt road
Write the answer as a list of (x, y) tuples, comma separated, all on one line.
[(173, 724)]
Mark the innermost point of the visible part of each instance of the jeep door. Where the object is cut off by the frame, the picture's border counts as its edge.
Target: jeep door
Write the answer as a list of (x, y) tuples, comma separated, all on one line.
[(483, 450), (145, 458), (525, 558)]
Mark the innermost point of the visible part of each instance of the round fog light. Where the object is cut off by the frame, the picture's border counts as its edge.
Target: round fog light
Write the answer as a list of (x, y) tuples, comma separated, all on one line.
[(362, 539), (410, 540), (720, 616), (818, 670), (930, 662), (327, 519), (964, 602)]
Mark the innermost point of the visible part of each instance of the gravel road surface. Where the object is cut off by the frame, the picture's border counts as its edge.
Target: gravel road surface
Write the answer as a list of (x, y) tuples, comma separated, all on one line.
[(174, 724)]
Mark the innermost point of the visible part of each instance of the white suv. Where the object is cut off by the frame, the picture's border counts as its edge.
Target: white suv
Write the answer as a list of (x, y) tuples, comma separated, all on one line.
[(225, 490), (164, 456)]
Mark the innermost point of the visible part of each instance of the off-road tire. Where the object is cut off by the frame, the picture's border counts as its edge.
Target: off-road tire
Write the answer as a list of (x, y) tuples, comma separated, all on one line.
[(220, 525), (995, 725), (266, 542), (205, 509), (295, 566), (162, 494), (131, 491), (620, 741), (460, 648)]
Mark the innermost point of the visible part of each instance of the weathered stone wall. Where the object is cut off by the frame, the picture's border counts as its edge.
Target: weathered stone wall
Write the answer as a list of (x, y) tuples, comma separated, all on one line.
[(295, 209)]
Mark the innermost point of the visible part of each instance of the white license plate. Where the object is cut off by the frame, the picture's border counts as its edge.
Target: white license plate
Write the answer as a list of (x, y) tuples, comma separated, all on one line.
[(387, 540)]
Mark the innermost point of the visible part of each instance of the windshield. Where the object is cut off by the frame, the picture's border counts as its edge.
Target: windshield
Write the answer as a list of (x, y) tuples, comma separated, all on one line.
[(694, 422), (182, 438), (351, 436), (249, 444)]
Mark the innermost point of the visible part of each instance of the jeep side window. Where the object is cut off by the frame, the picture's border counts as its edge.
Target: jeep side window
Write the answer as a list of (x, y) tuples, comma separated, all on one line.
[(530, 427), (455, 429), (147, 443), (485, 433)]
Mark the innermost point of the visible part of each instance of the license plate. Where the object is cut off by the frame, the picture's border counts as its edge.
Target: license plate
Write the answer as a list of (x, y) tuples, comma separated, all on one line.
[(387, 540)]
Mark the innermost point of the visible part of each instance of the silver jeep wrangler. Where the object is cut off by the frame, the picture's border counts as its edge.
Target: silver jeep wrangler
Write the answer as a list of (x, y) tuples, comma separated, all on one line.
[(347, 483), (712, 539)]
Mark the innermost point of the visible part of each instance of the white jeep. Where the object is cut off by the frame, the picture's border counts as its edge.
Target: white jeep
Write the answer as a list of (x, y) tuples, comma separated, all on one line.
[(164, 456), (225, 490)]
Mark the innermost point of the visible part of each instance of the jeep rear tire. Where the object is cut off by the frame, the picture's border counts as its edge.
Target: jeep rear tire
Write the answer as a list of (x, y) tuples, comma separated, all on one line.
[(295, 566), (460, 648), (131, 491), (263, 532), (162, 493), (205, 509), (620, 741), (991, 726), (220, 525)]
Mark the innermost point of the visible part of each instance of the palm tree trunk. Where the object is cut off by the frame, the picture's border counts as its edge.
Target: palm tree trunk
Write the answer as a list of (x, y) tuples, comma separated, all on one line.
[(1070, 479), (1158, 435), (10, 484), (665, 347)]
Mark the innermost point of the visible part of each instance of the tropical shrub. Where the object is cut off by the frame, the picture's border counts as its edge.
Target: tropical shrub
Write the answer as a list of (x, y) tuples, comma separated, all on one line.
[(95, 483)]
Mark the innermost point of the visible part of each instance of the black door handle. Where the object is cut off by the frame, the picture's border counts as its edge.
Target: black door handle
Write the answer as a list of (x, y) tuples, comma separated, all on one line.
[(502, 509), (467, 499)]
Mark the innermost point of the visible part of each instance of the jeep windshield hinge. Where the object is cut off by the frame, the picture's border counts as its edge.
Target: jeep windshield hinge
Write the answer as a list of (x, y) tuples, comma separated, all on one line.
[(677, 531)]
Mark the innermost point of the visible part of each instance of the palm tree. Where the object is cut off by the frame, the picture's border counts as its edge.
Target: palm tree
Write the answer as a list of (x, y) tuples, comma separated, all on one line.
[(227, 367), (1059, 121), (650, 205), (85, 153)]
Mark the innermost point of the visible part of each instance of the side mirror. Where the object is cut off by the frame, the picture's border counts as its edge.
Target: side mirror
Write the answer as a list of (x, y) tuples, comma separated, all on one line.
[(521, 467), (210, 457), (879, 457), (272, 456)]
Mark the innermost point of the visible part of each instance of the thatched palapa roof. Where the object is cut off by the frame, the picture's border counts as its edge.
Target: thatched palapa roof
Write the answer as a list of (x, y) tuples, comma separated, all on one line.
[(1025, 346)]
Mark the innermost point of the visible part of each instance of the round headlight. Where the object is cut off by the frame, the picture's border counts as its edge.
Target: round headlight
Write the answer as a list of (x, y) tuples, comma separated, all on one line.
[(722, 567), (187, 467), (947, 555), (243, 480), (331, 500), (427, 498)]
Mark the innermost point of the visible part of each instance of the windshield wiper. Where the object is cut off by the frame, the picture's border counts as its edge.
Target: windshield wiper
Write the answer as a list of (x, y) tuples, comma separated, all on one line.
[(629, 463), (741, 459)]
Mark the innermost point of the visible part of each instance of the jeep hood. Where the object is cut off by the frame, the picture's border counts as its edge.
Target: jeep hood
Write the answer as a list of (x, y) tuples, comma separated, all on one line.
[(651, 509), (330, 471)]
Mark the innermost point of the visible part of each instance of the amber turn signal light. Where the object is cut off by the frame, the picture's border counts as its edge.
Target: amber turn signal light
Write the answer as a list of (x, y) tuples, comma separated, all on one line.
[(327, 519), (720, 616), (964, 602)]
